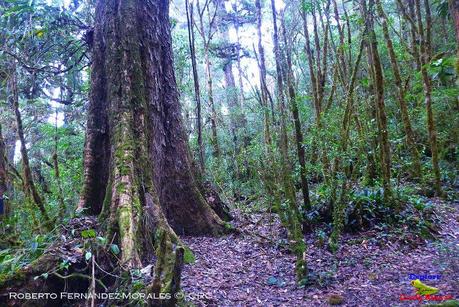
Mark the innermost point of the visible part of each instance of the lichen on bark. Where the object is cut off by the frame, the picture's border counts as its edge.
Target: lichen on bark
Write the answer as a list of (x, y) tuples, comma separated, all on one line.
[(149, 190)]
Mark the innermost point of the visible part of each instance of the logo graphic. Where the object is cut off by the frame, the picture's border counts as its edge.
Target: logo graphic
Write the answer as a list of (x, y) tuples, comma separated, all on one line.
[(422, 288), (423, 291)]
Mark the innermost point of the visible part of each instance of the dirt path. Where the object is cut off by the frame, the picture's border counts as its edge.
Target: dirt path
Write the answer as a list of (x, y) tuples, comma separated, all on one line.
[(254, 269)]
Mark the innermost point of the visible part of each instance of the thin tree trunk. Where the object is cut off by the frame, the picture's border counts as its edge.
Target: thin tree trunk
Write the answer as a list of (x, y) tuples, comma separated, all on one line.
[(416, 171), (210, 92), (213, 119), (317, 76), (292, 219), (379, 101), (60, 193), (317, 48), (341, 56), (409, 16), (324, 54), (263, 87), (197, 91), (296, 120), (311, 65), (28, 179), (454, 11), (349, 35), (339, 206), (428, 36), (3, 172), (424, 59), (239, 68)]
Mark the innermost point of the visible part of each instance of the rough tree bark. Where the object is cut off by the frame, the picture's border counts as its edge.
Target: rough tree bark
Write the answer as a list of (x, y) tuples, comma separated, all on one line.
[(136, 152), (341, 55), (236, 117), (311, 65)]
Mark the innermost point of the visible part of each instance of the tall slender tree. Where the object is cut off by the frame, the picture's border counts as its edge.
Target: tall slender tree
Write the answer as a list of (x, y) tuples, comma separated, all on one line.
[(290, 216), (416, 172), (3, 169), (197, 90), (425, 60), (378, 86), (29, 183), (207, 39), (296, 119)]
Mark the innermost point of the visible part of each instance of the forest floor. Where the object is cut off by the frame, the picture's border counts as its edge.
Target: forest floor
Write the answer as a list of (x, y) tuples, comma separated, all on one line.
[(254, 267)]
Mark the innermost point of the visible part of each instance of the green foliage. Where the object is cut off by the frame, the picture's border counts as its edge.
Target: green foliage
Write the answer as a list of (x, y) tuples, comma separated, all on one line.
[(188, 256), (14, 258), (443, 70), (88, 233)]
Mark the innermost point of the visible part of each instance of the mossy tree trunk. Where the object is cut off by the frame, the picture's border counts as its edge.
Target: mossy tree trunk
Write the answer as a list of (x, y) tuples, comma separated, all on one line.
[(410, 140), (236, 118), (296, 119), (381, 118), (3, 186), (317, 72), (29, 185), (290, 215), (427, 85), (137, 160), (339, 206), (270, 180), (454, 12)]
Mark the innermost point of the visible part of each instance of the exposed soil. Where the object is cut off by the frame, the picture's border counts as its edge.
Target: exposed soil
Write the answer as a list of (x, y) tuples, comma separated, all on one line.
[(254, 268)]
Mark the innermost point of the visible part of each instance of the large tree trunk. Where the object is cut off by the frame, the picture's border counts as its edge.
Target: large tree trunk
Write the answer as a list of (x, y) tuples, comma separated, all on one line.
[(133, 82), (137, 160)]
